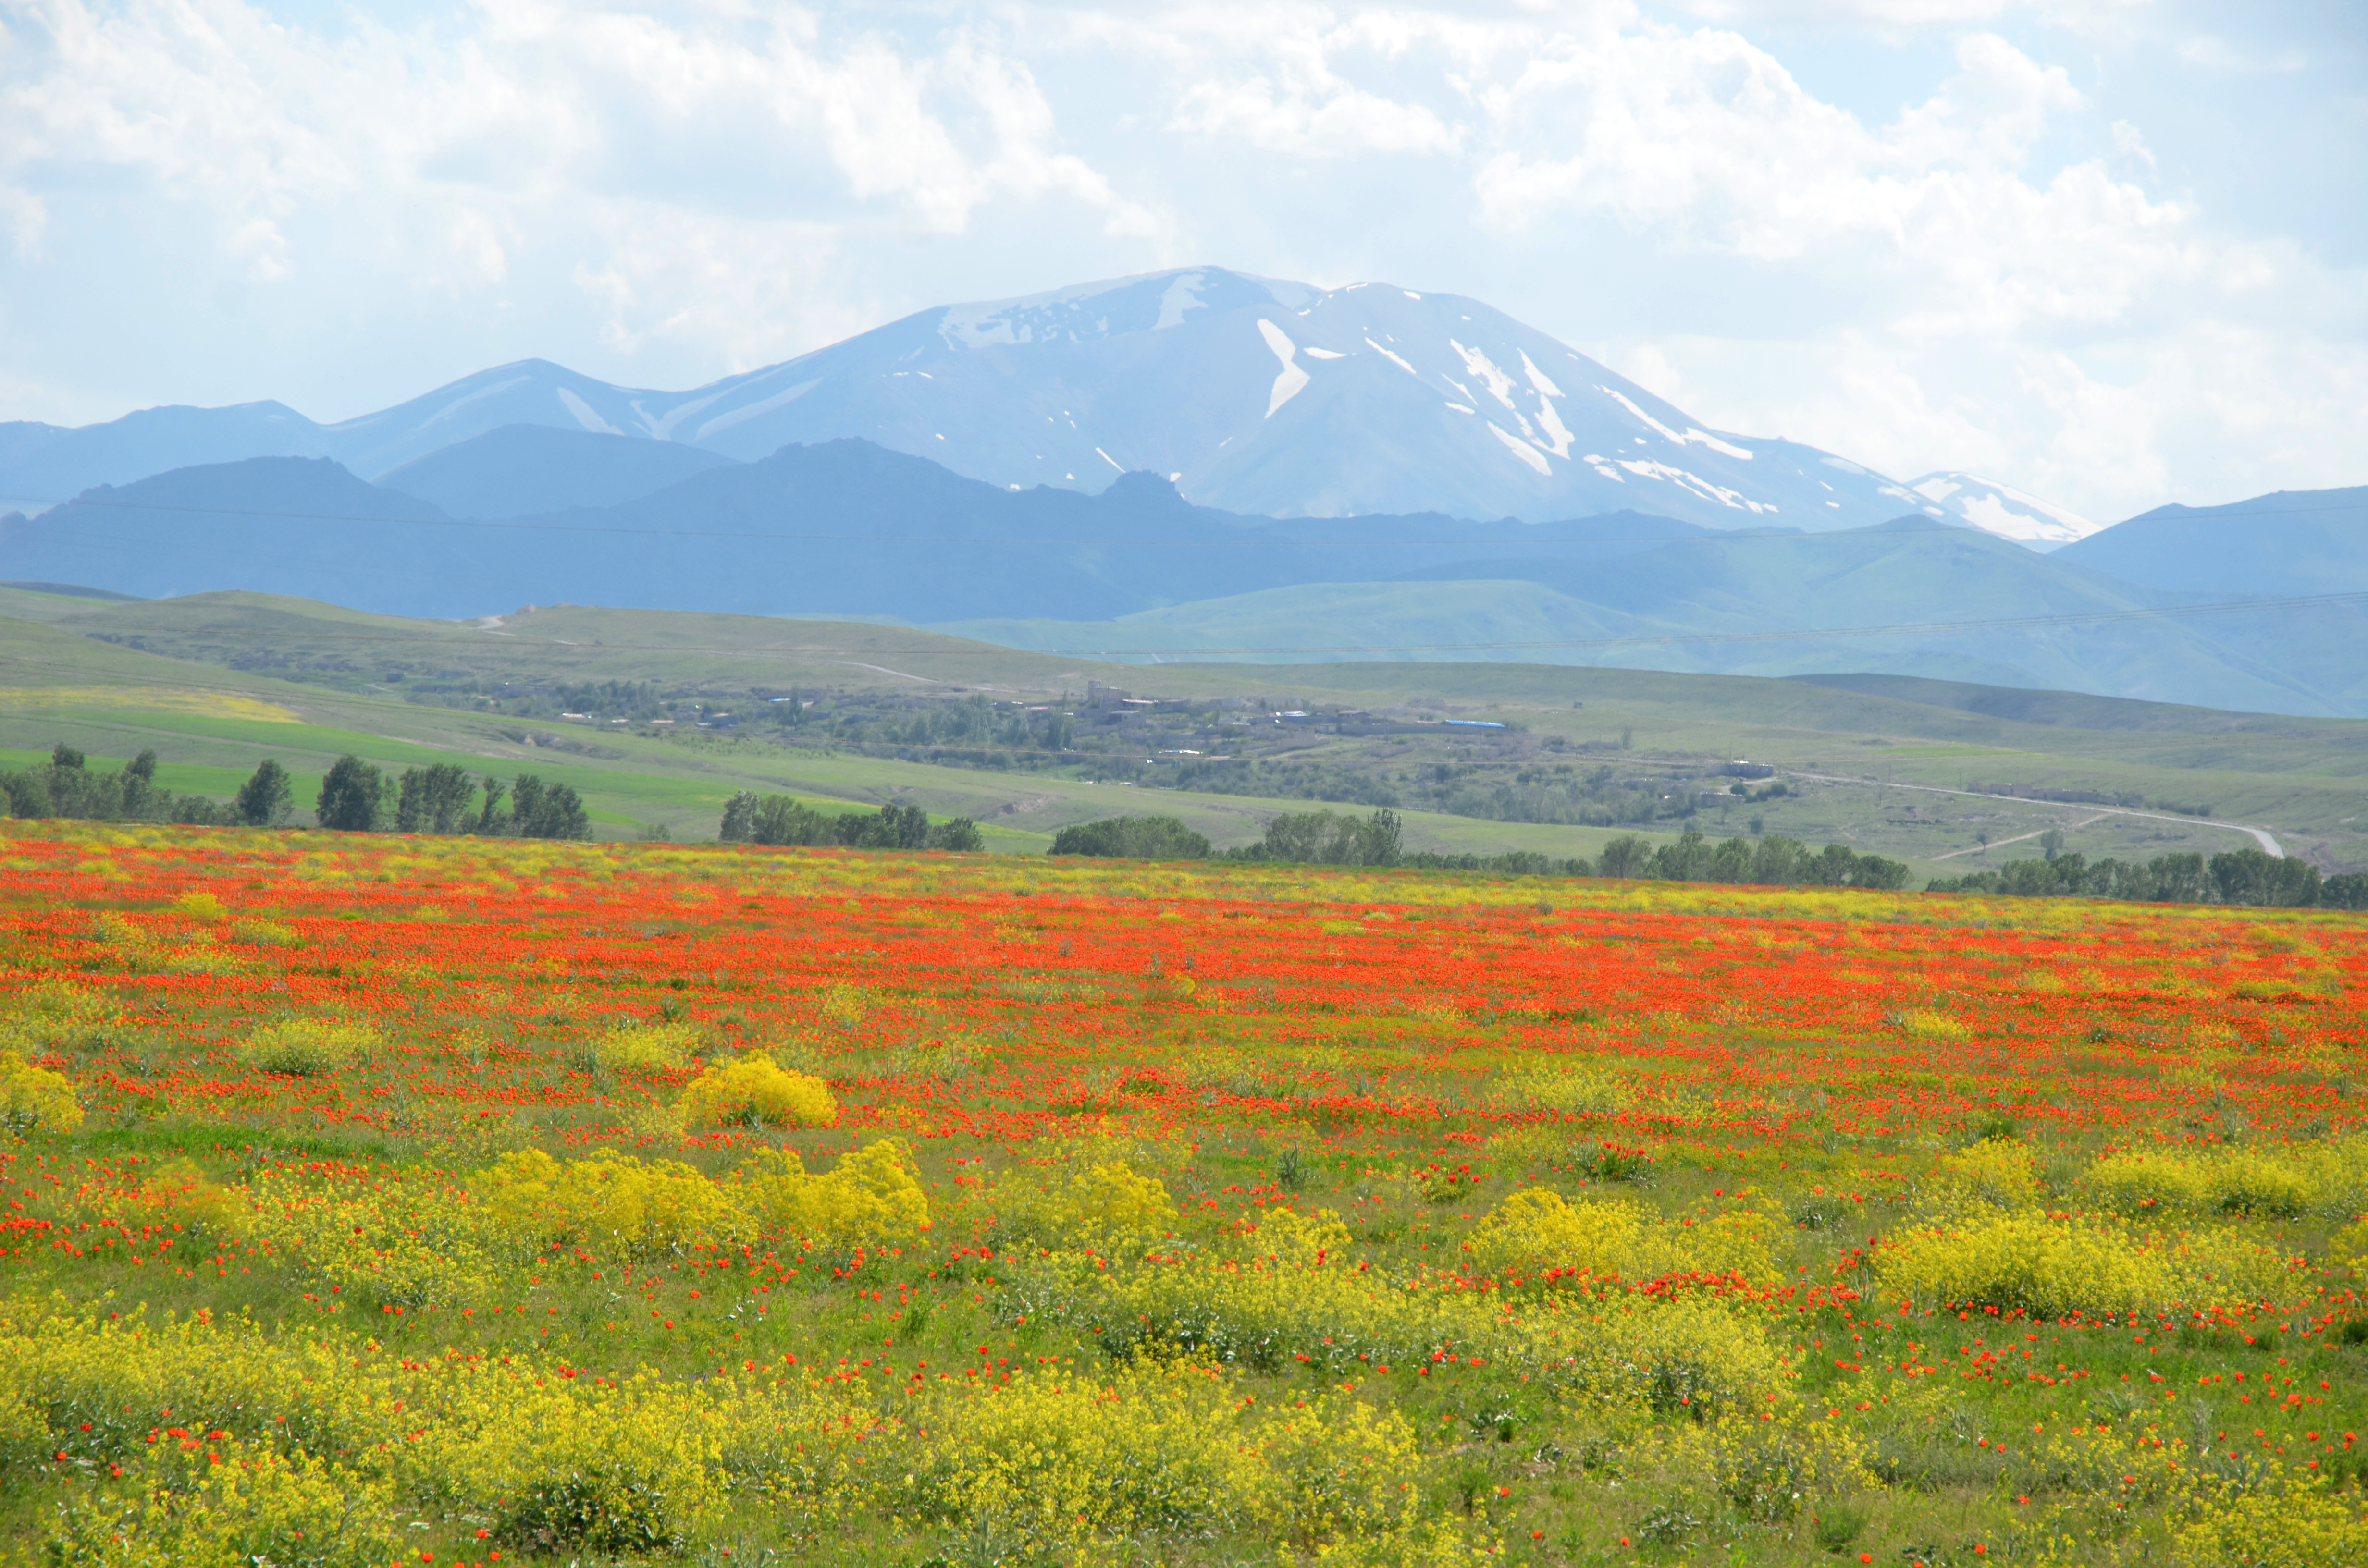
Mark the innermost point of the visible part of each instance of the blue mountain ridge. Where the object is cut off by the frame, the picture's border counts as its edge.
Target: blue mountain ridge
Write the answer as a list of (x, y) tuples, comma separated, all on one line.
[(1255, 395)]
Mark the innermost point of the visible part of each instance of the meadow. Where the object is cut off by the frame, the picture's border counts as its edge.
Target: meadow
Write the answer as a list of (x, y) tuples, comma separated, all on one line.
[(377, 1201)]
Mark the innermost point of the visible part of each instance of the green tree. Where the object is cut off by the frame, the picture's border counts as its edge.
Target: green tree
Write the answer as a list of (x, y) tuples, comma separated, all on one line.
[(64, 756), (739, 825), (1135, 838), (29, 794), (2247, 875), (349, 799), (431, 799), (1776, 861), (495, 817), (896, 827), (266, 797), (958, 834), (1626, 855), (136, 788), (547, 810)]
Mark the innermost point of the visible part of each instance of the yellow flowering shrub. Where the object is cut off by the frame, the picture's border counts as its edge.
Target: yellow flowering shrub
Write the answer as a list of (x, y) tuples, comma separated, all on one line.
[(647, 1048), (407, 1243), (2280, 1527), (872, 1196), (1607, 1237), (618, 1204), (1687, 1356), (1057, 1460), (202, 906), (303, 1047), (1996, 1170), (200, 1503), (51, 1013), (2290, 1180), (1085, 1202), (1576, 1086), (34, 1097), (1538, 1226), (2086, 1263), (755, 1090), (557, 1463), (1306, 1238)]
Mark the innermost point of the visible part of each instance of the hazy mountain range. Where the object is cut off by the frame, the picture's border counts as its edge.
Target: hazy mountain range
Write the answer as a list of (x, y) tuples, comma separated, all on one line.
[(1251, 394), (847, 528), (1302, 473)]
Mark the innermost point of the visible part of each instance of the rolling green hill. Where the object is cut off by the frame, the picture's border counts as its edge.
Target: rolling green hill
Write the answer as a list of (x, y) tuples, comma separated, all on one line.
[(216, 682), (1910, 598)]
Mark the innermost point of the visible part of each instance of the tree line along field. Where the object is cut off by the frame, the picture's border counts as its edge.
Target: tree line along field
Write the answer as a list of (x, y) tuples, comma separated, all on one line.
[(376, 1200)]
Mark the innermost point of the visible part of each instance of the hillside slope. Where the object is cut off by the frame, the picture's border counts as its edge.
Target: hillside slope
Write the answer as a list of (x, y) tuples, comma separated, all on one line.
[(520, 470), (2291, 542)]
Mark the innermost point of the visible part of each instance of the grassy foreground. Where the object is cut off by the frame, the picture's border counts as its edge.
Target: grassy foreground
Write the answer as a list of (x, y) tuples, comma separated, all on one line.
[(464, 1201)]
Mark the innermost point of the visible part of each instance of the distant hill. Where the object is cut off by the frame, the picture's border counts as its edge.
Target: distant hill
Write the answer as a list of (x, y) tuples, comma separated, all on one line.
[(153, 441), (2291, 542), (20, 439), (849, 529), (519, 470), (846, 527), (1766, 605), (293, 525), (2056, 709)]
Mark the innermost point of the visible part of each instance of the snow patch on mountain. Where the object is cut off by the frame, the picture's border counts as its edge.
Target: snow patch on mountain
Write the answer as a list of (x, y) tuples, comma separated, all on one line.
[(585, 414), (1294, 380), (2001, 509), (1521, 449), (1182, 295)]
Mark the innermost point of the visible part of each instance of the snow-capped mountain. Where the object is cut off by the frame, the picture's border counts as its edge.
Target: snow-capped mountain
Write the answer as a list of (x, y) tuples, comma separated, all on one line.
[(2001, 509), (1254, 395)]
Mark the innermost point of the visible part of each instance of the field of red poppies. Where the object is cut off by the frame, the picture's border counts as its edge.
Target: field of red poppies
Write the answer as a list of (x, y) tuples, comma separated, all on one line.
[(377, 1199)]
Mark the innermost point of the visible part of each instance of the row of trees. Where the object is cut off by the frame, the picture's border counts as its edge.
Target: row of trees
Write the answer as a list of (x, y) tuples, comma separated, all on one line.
[(354, 798), (1773, 861), (68, 787), (750, 818), (358, 798), (2245, 877), (1335, 838)]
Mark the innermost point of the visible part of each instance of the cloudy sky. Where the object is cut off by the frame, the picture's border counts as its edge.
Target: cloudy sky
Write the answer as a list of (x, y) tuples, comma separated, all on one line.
[(2114, 252)]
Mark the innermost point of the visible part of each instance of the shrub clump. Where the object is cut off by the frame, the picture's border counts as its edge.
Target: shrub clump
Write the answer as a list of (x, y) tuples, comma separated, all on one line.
[(2295, 1180), (34, 1097), (1536, 1228), (2078, 1263), (874, 1195), (648, 1046), (302, 1048), (626, 1206), (757, 1092)]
